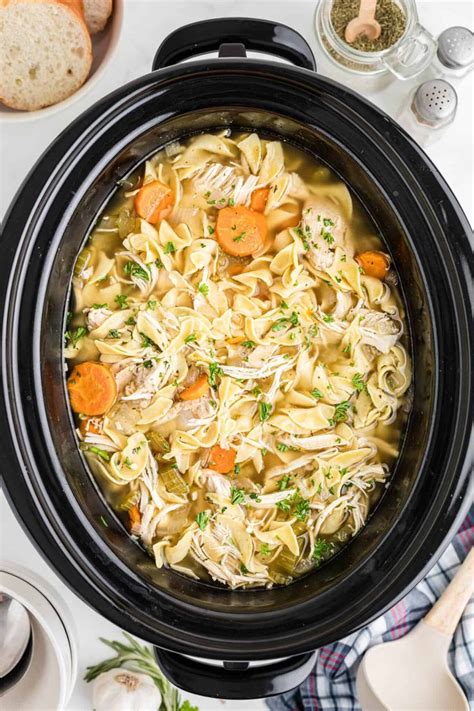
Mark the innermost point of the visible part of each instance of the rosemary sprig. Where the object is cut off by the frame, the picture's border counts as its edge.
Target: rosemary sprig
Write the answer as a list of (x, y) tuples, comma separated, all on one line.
[(138, 658)]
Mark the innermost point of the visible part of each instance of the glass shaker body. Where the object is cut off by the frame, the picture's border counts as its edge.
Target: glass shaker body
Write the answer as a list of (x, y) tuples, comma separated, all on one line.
[(429, 110)]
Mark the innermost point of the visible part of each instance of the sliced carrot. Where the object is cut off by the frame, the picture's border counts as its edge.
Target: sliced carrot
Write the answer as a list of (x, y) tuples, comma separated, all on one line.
[(92, 388), (374, 264), (134, 515), (221, 460), (258, 199), (88, 426), (153, 201), (240, 231), (199, 388)]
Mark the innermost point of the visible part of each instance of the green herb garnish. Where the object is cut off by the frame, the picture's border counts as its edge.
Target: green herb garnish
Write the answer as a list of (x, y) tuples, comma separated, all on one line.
[(322, 550), (358, 382), (132, 269), (121, 300), (264, 411), (237, 496), (73, 337), (202, 519)]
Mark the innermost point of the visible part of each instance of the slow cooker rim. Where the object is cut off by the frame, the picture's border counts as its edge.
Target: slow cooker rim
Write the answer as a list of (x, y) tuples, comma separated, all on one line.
[(220, 64)]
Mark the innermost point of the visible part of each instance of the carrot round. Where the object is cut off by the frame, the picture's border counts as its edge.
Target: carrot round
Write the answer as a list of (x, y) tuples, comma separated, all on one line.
[(240, 231), (134, 515), (153, 201), (88, 426), (258, 199), (221, 460), (375, 264), (92, 388), (199, 388)]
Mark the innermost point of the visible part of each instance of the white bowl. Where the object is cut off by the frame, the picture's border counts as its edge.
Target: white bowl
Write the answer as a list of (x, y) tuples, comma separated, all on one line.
[(104, 46), (50, 678)]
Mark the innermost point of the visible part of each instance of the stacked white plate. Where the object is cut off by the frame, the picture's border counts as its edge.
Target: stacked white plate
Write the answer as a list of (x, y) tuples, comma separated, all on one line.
[(48, 682)]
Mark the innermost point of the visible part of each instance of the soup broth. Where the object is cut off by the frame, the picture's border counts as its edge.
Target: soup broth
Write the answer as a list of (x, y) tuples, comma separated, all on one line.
[(237, 359)]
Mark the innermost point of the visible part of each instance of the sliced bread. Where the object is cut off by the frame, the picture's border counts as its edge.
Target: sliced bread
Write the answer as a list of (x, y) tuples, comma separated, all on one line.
[(46, 52), (96, 14)]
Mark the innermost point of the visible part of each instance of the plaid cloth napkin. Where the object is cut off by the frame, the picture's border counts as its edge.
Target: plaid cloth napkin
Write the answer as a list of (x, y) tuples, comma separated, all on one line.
[(332, 684)]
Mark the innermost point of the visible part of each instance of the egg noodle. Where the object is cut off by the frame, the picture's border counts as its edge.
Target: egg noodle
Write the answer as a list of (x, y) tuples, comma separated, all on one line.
[(259, 398)]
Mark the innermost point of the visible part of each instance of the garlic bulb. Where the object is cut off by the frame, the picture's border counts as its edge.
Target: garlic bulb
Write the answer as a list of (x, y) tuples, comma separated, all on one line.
[(124, 690)]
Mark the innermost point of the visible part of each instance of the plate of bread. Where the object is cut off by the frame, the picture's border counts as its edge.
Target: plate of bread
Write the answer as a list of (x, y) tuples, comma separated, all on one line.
[(53, 51)]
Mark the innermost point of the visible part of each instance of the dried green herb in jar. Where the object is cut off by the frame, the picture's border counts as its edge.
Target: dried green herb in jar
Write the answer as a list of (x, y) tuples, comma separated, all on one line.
[(388, 14)]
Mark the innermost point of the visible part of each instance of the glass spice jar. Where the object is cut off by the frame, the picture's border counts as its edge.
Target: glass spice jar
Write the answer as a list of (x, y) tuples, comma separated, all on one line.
[(406, 58)]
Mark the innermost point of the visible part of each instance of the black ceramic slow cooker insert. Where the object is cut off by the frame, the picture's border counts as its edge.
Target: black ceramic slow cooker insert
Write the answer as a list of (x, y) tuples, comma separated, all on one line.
[(46, 479)]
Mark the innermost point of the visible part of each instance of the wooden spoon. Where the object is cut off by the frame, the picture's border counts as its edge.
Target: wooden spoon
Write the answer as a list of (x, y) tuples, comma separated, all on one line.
[(413, 673), (364, 24)]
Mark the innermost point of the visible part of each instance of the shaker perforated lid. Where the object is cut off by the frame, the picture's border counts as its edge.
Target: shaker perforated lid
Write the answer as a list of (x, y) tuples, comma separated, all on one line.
[(435, 102), (456, 47)]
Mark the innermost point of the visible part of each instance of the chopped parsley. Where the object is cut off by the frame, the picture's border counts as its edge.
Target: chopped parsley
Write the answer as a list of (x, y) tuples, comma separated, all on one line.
[(264, 410), (113, 333), (121, 300), (284, 505), (347, 349), (302, 509), (284, 482), (327, 318), (151, 304), (73, 337), (237, 469), (170, 248), (191, 338), (317, 393), (322, 550), (99, 306), (214, 371), (264, 549), (282, 447), (204, 289), (284, 322), (240, 237), (202, 519), (148, 364), (340, 413), (237, 496), (210, 229), (249, 344), (146, 342), (327, 236), (132, 269), (358, 382)]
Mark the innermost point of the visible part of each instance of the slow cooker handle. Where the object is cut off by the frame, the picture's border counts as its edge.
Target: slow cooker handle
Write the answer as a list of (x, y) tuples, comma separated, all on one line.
[(244, 33), (235, 680)]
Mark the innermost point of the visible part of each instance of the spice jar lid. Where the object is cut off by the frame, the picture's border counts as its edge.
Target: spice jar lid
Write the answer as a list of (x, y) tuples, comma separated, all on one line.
[(435, 102), (456, 47)]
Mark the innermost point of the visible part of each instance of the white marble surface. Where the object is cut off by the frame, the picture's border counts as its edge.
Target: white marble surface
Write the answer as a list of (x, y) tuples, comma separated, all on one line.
[(146, 24)]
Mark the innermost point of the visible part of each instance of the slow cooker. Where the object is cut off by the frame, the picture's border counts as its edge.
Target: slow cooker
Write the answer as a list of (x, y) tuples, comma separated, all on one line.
[(205, 635)]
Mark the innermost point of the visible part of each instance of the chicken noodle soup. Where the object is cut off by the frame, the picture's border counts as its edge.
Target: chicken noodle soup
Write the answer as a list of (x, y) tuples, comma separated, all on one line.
[(236, 359)]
